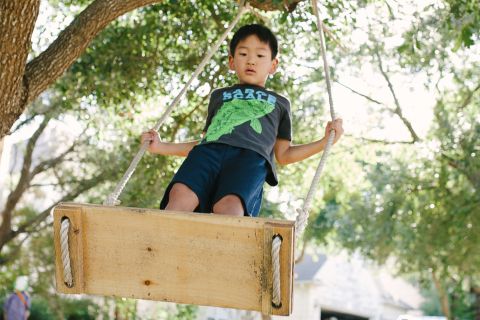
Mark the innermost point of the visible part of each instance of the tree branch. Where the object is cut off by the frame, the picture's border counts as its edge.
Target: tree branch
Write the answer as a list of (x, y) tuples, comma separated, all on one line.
[(50, 163), (33, 222), (21, 83), (23, 123), (16, 28), (72, 42), (23, 182), (360, 94), (26, 176), (398, 109), (74, 39), (469, 97), (443, 295), (379, 141), (274, 5), (473, 178)]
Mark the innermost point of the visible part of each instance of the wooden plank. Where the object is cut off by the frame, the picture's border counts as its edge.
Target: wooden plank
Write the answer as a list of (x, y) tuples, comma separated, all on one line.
[(176, 256)]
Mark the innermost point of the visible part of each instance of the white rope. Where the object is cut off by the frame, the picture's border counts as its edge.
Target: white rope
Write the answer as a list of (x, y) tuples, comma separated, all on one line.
[(302, 217), (112, 199), (303, 213), (276, 296), (67, 270)]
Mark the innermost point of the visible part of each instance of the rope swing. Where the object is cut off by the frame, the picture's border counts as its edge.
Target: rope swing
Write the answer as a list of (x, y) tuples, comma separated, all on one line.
[(302, 213)]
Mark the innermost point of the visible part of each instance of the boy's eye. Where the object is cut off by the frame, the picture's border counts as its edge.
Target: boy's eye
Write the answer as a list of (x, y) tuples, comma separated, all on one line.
[(260, 55), (242, 54)]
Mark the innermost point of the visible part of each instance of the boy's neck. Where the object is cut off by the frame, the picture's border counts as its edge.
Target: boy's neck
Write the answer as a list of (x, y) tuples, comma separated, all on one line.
[(249, 84)]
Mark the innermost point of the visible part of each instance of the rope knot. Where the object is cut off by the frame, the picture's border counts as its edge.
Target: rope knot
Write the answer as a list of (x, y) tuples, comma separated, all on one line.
[(301, 221), (111, 201)]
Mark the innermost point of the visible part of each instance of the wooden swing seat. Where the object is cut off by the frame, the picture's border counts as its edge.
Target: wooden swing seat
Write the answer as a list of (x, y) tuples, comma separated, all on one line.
[(188, 258)]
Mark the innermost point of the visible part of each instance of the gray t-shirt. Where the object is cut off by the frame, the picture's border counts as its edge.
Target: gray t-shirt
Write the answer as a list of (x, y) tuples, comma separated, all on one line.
[(249, 117)]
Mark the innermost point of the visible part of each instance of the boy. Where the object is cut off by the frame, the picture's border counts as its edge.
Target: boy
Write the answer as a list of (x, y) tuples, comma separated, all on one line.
[(246, 125)]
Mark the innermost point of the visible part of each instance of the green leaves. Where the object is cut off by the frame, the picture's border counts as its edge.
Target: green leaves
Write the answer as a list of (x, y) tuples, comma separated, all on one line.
[(465, 21)]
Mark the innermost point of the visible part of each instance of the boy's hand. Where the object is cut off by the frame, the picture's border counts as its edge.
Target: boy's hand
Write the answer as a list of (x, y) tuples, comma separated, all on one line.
[(155, 143), (336, 125)]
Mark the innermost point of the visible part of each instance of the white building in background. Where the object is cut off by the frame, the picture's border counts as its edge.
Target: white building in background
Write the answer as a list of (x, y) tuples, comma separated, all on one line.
[(349, 288)]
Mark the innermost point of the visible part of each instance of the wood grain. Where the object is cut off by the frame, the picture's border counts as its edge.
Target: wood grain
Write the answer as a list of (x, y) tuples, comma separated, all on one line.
[(175, 256)]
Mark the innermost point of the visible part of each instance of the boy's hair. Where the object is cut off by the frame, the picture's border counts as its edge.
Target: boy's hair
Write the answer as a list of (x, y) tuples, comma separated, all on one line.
[(262, 32)]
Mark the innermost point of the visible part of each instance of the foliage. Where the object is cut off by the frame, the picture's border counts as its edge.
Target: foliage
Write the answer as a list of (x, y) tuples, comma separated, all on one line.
[(418, 202), (463, 302), (465, 21), (187, 312), (41, 310)]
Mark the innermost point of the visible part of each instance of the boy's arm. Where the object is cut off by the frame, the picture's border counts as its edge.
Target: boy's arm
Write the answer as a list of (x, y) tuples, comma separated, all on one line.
[(286, 153), (156, 146), (181, 149)]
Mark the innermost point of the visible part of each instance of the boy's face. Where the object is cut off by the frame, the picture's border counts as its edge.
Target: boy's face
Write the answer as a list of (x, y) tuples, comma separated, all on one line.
[(252, 61)]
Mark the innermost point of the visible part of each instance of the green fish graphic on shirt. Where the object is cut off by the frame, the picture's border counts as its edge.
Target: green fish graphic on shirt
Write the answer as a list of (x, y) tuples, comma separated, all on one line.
[(236, 112)]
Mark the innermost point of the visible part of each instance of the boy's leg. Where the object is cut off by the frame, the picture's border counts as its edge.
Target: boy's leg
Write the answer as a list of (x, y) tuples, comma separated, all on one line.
[(239, 186), (191, 186), (182, 198), (229, 205)]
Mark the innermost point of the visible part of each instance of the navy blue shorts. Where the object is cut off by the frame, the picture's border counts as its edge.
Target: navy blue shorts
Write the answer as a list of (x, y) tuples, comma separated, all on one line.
[(215, 170)]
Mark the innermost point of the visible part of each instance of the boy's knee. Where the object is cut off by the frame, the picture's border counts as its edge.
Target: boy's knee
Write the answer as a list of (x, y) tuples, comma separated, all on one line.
[(229, 205), (181, 197)]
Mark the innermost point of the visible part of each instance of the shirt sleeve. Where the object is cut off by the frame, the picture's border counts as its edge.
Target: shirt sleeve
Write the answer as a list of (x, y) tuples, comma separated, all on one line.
[(212, 106), (285, 124)]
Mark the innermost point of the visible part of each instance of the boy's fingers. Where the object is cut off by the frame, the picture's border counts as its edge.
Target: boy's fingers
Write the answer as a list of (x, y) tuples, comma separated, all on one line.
[(146, 136)]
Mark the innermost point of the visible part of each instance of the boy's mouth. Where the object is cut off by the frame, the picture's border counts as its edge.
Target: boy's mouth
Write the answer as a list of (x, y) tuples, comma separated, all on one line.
[(250, 71)]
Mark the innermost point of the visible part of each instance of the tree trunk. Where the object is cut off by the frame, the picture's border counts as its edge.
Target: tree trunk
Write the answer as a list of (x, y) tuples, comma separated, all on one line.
[(17, 20), (2, 144), (272, 5), (442, 293)]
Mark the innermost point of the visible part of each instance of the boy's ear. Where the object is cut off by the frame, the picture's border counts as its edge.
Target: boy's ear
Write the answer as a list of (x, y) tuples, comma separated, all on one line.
[(231, 63), (274, 66)]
